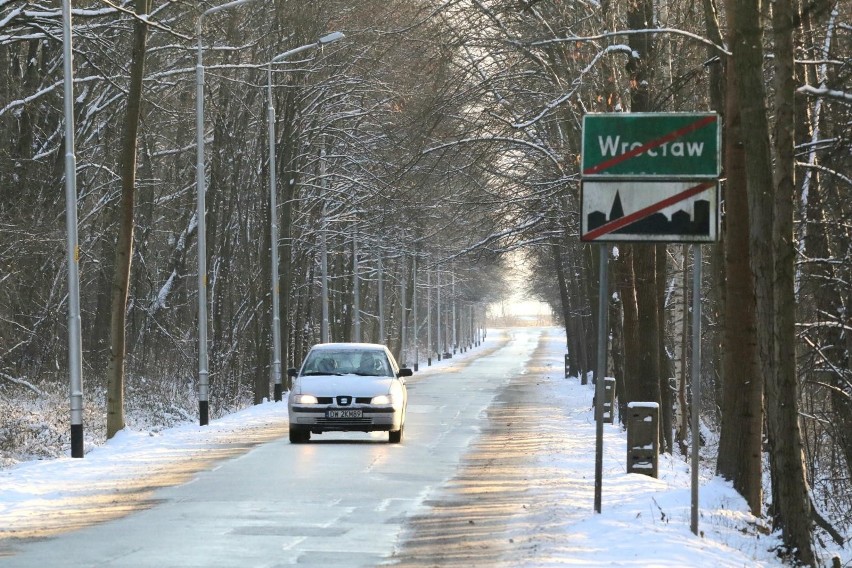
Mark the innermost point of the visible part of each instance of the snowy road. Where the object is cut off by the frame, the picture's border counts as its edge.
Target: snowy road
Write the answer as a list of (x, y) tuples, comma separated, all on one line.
[(339, 501), (495, 471)]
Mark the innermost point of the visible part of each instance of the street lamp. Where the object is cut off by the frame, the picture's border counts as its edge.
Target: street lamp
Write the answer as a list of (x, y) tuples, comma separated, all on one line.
[(273, 208), (75, 346), (203, 373), (356, 286), (414, 315), (438, 327), (428, 318), (325, 336)]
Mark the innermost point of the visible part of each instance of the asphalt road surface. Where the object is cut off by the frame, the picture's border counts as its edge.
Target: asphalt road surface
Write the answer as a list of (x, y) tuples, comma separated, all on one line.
[(348, 499)]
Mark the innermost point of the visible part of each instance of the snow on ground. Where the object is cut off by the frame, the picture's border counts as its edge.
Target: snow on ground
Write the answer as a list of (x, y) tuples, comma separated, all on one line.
[(644, 521)]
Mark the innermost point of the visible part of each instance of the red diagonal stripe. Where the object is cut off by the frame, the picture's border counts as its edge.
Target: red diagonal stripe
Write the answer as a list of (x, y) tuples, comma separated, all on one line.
[(651, 209), (704, 121)]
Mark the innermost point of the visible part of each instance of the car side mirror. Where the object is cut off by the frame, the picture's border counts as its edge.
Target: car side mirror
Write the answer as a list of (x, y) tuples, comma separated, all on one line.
[(405, 372), (292, 372)]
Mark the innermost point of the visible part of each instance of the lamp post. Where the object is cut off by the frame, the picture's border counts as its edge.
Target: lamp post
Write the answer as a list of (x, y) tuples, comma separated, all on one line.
[(414, 315), (428, 318), (455, 321), (356, 287), (438, 327), (203, 372), (273, 209), (381, 301), (324, 252), (75, 347), (403, 323)]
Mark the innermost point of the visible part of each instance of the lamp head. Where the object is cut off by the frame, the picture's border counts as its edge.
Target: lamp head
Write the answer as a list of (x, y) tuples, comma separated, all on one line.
[(333, 36)]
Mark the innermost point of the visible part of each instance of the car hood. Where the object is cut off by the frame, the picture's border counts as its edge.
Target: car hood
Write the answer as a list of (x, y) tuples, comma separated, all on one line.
[(352, 385)]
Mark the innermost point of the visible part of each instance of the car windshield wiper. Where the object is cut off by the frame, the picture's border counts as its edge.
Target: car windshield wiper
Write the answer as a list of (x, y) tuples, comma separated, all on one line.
[(321, 373)]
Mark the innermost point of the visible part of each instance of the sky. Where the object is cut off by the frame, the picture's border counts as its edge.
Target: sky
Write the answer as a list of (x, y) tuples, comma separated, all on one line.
[(518, 303), (644, 521)]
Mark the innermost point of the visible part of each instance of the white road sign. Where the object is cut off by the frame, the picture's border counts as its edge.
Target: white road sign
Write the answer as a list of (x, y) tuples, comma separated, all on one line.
[(664, 211)]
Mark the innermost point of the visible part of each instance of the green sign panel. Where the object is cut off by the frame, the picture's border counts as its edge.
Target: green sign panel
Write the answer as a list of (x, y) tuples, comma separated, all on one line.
[(651, 145)]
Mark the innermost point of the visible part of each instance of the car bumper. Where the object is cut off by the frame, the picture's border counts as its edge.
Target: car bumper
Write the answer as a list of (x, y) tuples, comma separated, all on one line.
[(371, 420)]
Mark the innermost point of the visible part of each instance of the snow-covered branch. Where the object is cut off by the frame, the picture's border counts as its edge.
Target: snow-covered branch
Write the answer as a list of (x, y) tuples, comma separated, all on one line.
[(22, 383), (825, 92), (675, 31)]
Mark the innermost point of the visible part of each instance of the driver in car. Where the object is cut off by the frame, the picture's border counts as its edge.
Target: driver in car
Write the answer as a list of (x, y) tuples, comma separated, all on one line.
[(368, 365)]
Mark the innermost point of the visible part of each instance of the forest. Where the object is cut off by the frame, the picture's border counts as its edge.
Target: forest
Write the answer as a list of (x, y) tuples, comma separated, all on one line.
[(396, 174)]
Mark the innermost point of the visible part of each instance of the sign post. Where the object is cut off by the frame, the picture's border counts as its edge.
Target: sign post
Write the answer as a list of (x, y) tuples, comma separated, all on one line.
[(651, 177)]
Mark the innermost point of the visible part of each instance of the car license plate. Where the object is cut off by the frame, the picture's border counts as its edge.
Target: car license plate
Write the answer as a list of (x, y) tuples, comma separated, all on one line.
[(351, 413)]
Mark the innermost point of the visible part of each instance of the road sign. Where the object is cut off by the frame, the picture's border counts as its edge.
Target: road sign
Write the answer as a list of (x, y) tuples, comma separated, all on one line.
[(656, 145), (662, 211)]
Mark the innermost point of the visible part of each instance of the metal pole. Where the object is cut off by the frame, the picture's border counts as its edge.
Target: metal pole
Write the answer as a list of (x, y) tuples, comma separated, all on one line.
[(603, 253), (696, 377), (438, 327), (201, 189), (75, 344), (356, 287), (324, 258), (428, 319), (403, 327), (414, 315), (273, 215), (455, 323), (203, 372), (382, 338), (276, 319), (470, 327)]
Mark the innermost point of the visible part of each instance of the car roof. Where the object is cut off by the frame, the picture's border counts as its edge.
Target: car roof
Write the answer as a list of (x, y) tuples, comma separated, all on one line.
[(348, 346)]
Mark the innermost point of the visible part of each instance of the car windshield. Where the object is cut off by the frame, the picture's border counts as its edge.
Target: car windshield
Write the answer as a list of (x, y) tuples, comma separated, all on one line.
[(347, 362)]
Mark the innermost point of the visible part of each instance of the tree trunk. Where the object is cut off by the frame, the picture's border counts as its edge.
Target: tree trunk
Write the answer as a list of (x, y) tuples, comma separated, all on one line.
[(647, 362), (581, 317), (715, 276), (683, 422), (663, 362), (646, 375), (592, 261), (741, 437), (124, 243), (770, 221), (782, 416), (630, 318), (565, 303)]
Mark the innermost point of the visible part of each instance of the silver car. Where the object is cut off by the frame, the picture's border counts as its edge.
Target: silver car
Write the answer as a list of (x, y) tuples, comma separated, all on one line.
[(348, 387)]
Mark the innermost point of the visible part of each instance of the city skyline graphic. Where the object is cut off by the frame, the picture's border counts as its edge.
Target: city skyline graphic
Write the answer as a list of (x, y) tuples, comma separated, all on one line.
[(681, 222)]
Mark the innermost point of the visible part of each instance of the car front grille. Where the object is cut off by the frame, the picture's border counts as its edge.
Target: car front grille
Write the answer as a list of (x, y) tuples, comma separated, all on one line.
[(357, 400)]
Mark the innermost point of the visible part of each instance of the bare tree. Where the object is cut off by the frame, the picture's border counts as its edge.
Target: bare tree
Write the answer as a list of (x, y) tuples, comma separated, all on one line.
[(772, 266), (124, 241), (741, 437)]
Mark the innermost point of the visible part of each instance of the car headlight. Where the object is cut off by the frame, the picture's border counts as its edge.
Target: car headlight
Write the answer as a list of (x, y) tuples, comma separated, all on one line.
[(382, 399), (304, 399)]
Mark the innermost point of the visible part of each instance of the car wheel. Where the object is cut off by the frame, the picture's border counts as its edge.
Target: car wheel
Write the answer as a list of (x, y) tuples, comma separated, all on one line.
[(299, 435), (395, 436)]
